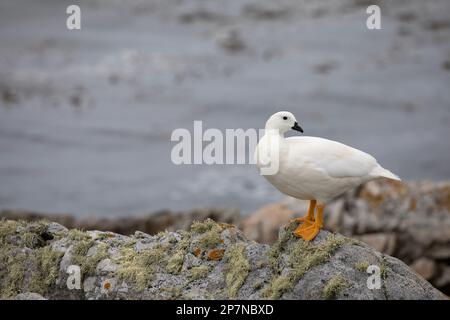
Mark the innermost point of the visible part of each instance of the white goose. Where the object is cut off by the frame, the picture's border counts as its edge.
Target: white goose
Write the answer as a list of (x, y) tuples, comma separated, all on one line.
[(315, 169)]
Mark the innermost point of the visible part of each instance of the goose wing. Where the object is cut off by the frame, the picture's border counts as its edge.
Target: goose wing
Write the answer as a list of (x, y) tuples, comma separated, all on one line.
[(336, 159)]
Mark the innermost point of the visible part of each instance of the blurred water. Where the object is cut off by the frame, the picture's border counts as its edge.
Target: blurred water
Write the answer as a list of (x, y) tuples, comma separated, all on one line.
[(86, 116)]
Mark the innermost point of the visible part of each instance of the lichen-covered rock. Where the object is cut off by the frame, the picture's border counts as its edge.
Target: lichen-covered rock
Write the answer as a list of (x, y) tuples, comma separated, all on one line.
[(209, 261), (407, 220)]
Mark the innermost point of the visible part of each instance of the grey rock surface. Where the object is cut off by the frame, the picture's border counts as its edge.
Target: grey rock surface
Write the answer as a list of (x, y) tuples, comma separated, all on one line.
[(29, 296), (209, 261)]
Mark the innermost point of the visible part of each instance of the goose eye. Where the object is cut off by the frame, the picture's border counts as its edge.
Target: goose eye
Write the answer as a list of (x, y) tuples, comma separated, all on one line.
[(284, 118)]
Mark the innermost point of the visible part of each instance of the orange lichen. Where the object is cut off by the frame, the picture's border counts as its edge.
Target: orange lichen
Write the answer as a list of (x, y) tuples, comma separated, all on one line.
[(216, 254), (197, 252), (107, 285), (225, 225)]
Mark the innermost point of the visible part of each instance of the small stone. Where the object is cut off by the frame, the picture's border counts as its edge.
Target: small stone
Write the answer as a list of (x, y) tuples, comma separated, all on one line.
[(106, 266), (89, 284), (54, 228)]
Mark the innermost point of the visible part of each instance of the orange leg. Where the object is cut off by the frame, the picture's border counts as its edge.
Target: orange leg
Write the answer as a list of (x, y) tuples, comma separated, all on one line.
[(309, 232), (309, 217)]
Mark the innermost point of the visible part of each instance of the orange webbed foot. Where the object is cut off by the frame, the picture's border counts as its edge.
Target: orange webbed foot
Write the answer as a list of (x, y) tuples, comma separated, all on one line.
[(307, 232)]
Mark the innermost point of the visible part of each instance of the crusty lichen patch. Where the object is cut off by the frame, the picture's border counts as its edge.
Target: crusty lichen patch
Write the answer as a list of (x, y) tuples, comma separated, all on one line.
[(8, 228), (383, 268), (237, 268), (362, 266), (175, 262), (302, 256), (46, 263), (203, 226), (209, 233), (208, 225), (139, 267), (279, 246), (334, 286), (24, 250), (82, 247), (78, 235), (12, 271), (198, 272), (207, 239)]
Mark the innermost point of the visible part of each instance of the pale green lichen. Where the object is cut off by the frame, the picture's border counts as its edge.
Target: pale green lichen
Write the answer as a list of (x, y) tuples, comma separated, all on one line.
[(90, 263), (174, 293), (175, 262), (27, 262), (207, 238), (80, 251), (46, 262), (172, 239), (12, 271), (260, 264), (162, 234), (237, 268), (139, 267), (210, 234), (203, 226), (362, 266), (128, 243), (8, 228), (198, 272), (32, 240), (78, 235), (302, 257), (334, 286), (32, 236), (279, 246), (258, 285)]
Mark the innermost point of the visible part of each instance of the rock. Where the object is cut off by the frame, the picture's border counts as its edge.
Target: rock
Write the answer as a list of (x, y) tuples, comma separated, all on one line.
[(384, 242), (425, 267), (208, 261), (263, 225), (151, 223), (29, 296), (408, 220)]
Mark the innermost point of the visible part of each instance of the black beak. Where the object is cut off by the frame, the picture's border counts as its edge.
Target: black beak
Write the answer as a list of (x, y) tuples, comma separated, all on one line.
[(297, 127)]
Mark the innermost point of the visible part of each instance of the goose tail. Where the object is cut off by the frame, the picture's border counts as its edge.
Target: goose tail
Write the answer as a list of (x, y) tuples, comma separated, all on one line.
[(382, 172)]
